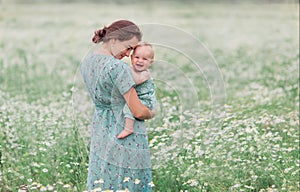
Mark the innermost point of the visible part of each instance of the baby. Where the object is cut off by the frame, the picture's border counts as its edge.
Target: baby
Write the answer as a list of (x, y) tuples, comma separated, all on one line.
[(141, 59)]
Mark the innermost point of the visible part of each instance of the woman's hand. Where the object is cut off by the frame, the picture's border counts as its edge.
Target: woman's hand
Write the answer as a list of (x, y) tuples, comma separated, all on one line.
[(141, 77)]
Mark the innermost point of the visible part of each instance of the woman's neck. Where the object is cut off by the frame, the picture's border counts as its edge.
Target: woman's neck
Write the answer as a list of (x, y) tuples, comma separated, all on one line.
[(103, 50)]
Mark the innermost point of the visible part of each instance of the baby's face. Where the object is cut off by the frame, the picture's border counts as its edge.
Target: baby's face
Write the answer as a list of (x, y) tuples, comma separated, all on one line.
[(142, 58)]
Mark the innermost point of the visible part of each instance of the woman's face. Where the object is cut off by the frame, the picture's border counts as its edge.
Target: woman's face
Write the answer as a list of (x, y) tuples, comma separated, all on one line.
[(120, 49)]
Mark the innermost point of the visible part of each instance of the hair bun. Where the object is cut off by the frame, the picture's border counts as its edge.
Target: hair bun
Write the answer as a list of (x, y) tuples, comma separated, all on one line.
[(98, 35)]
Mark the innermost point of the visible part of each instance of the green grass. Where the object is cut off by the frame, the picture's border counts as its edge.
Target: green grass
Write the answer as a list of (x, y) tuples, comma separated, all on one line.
[(253, 145)]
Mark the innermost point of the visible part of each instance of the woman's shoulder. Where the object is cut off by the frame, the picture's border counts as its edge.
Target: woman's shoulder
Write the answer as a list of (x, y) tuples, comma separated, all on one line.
[(101, 58), (107, 59), (96, 58), (118, 65), (119, 62)]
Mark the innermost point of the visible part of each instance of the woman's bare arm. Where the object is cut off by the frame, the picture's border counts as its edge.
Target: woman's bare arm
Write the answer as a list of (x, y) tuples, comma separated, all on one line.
[(139, 110)]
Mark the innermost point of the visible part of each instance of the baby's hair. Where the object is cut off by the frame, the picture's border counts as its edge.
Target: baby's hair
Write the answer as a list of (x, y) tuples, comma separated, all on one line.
[(144, 43)]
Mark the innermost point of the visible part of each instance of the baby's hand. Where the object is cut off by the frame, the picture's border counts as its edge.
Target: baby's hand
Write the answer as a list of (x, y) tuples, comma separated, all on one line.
[(141, 77)]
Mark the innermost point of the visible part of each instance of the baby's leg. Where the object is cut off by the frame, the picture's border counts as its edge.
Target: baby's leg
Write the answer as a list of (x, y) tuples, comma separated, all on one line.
[(128, 129)]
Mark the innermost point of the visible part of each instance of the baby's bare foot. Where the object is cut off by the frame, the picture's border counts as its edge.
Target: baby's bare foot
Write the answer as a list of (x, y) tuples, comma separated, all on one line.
[(125, 133)]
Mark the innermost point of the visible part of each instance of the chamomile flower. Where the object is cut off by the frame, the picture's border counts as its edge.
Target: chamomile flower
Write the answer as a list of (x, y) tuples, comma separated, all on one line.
[(50, 187), (98, 189), (125, 190), (126, 179), (137, 181), (99, 181), (151, 184), (66, 186), (43, 188)]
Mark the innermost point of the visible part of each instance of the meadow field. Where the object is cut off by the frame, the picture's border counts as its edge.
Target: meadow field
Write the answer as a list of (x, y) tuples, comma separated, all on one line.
[(227, 85)]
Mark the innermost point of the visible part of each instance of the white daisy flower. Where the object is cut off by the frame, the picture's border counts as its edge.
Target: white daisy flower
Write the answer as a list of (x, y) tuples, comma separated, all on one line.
[(126, 179), (137, 181), (151, 184)]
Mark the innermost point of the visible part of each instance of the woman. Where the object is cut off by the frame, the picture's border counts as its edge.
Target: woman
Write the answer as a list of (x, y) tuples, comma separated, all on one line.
[(116, 164)]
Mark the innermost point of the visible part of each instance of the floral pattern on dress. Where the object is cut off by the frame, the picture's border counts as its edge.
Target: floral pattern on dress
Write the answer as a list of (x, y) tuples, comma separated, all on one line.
[(114, 164)]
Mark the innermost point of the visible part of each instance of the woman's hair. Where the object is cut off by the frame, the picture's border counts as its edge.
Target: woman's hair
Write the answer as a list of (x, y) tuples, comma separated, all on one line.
[(121, 30)]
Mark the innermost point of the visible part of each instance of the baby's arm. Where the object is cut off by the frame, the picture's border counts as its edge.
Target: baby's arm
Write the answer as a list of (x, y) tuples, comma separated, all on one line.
[(141, 77)]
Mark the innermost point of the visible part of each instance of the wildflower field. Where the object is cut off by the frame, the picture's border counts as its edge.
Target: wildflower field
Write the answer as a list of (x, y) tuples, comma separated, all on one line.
[(240, 133)]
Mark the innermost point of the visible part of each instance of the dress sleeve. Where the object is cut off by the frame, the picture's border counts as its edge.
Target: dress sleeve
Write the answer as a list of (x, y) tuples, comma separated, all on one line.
[(121, 76)]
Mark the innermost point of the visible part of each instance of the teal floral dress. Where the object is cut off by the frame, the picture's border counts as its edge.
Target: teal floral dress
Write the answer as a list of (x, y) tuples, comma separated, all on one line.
[(114, 164)]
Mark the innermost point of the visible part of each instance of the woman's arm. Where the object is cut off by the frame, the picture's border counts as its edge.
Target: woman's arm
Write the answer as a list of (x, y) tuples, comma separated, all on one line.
[(139, 110)]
